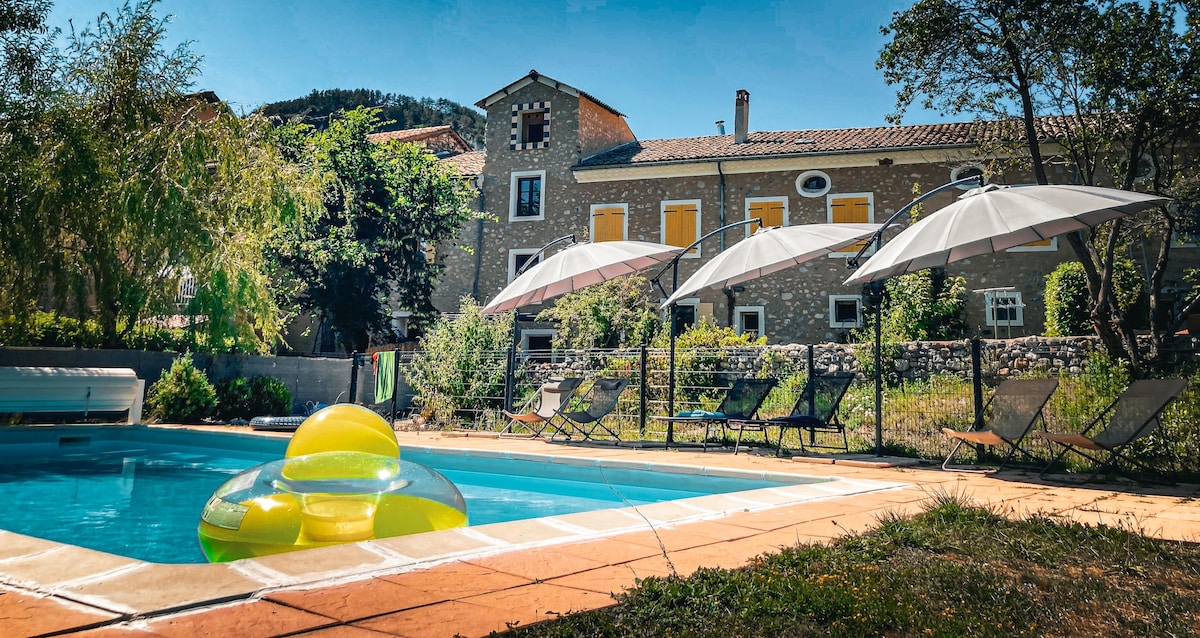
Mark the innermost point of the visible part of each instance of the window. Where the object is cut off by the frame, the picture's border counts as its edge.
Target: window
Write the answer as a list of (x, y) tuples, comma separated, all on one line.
[(530, 126), (687, 313), (1041, 245), (537, 345), (1146, 170), (749, 320), (845, 311), (1003, 308), (681, 224), (187, 287), (609, 222), (517, 258), (963, 172), (851, 208), (813, 183), (525, 196), (773, 211)]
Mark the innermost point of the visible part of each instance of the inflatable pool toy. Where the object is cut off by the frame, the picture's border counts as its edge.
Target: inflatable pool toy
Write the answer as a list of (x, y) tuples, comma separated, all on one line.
[(341, 480)]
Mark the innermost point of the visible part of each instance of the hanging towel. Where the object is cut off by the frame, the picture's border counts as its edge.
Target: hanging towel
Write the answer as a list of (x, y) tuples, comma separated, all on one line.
[(385, 376)]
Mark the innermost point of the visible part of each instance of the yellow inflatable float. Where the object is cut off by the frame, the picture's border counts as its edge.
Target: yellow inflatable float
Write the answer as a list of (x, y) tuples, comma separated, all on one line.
[(341, 480)]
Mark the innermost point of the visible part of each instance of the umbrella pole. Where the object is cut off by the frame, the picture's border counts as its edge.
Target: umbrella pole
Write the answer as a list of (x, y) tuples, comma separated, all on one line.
[(878, 373), (671, 378)]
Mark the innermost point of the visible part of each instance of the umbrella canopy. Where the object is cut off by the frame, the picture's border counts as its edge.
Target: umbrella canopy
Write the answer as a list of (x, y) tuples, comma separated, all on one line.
[(770, 250), (579, 266), (992, 219)]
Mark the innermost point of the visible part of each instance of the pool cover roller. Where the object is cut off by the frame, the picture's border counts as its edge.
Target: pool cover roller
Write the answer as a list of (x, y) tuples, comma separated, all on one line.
[(341, 480)]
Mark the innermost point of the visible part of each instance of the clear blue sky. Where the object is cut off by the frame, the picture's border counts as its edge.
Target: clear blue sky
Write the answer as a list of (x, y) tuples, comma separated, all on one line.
[(671, 66)]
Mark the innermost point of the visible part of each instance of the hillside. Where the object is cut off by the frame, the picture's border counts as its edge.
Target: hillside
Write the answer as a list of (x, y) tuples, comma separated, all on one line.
[(408, 112)]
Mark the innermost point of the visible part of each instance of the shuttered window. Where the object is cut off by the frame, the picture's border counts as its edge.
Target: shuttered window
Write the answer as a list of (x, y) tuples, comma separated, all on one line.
[(854, 208), (608, 222), (773, 211), (1042, 245), (681, 224)]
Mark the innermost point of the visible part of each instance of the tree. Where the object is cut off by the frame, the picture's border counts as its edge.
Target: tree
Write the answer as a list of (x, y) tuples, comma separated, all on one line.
[(1119, 80), (383, 205), (615, 314)]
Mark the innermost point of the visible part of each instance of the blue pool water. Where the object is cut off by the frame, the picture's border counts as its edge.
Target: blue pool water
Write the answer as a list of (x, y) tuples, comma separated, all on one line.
[(138, 492)]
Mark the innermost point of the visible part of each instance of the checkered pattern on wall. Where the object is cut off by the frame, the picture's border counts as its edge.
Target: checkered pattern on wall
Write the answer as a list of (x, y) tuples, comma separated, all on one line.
[(519, 110)]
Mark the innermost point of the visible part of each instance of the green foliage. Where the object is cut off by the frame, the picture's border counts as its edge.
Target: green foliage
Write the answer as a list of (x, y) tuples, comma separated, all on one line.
[(925, 305), (260, 395), (701, 353), (1067, 303), (461, 362), (182, 394), (382, 205), (52, 330), (618, 313), (318, 108)]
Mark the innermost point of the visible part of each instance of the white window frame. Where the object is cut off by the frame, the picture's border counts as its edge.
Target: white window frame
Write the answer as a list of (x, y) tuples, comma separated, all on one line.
[(1052, 247), (662, 223), (870, 217), (740, 326), (537, 332), (692, 302), (833, 301), (755, 200), (955, 175), (513, 253), (804, 178), (514, 178), (989, 304), (624, 219)]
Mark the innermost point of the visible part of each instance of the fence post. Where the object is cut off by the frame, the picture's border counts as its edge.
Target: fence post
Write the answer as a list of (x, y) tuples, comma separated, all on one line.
[(810, 388), (395, 382), (977, 384), (642, 390), (354, 377)]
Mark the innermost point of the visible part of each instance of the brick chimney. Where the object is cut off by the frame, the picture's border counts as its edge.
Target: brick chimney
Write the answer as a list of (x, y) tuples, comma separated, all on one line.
[(741, 116)]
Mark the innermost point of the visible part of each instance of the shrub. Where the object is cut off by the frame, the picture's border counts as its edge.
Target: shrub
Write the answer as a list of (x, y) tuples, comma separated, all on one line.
[(701, 354), (1068, 311), (260, 395), (615, 314), (182, 394)]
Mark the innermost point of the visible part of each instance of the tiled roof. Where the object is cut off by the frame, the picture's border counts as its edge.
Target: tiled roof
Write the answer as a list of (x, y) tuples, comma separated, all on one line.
[(410, 134), (814, 142), (469, 164), (534, 76)]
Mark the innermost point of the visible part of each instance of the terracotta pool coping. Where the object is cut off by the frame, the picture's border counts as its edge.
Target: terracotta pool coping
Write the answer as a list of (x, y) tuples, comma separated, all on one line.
[(487, 578)]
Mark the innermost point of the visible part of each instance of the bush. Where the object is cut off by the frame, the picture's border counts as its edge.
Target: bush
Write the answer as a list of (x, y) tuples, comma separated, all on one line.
[(260, 395), (1068, 311), (182, 395)]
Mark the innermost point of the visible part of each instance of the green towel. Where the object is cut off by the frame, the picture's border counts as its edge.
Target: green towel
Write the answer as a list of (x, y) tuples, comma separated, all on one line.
[(385, 376)]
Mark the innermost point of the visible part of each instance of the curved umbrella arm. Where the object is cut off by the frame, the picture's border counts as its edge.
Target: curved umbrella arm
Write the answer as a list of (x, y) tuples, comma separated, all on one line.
[(671, 265), (874, 241), (533, 258)]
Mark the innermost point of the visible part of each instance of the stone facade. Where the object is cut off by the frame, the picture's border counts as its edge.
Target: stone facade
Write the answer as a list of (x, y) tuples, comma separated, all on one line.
[(795, 304)]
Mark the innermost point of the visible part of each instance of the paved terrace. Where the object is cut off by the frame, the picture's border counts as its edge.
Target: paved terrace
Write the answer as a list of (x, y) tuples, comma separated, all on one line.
[(521, 573)]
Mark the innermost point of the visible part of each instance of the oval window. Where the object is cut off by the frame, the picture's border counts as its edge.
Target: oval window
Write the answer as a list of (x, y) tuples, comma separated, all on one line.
[(963, 172), (813, 183)]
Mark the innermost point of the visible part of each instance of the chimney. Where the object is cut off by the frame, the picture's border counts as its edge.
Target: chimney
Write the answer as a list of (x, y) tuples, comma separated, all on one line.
[(720, 127), (741, 116)]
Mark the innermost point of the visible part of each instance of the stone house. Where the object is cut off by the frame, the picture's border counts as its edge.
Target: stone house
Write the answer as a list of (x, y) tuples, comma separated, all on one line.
[(558, 161)]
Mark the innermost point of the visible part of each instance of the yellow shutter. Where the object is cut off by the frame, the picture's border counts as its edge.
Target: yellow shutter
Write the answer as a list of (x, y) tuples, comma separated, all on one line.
[(680, 224), (771, 213), (1041, 243), (851, 210), (608, 224)]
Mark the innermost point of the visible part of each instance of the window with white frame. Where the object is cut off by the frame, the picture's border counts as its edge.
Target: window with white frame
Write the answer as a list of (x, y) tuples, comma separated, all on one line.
[(537, 344), (1040, 246), (813, 183), (1003, 308), (851, 208), (845, 311), (749, 320), (609, 222), (687, 313), (517, 258), (773, 211), (963, 172), (680, 224), (525, 200)]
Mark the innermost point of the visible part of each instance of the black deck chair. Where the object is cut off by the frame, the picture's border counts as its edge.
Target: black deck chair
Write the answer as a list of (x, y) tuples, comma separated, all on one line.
[(1134, 415), (1015, 408), (552, 397), (816, 410), (741, 402), (601, 400)]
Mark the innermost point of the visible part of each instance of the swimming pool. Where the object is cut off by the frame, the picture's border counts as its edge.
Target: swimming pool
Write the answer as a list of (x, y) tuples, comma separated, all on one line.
[(138, 492)]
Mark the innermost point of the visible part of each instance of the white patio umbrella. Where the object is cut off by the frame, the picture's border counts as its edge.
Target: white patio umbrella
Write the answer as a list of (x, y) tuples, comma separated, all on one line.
[(579, 266), (771, 250), (995, 218)]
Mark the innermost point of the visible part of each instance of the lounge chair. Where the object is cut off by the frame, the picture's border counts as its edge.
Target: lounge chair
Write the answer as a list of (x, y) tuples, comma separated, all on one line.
[(544, 405), (601, 400), (741, 402), (1015, 408), (1134, 415), (815, 409)]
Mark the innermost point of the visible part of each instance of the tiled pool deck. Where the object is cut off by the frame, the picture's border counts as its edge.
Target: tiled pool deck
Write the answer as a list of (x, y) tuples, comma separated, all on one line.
[(487, 578)]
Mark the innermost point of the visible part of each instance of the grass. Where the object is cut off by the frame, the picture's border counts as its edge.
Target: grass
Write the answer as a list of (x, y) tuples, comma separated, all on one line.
[(955, 570)]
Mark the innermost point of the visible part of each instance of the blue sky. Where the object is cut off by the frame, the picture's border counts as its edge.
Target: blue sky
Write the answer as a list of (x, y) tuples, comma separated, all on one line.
[(671, 66)]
